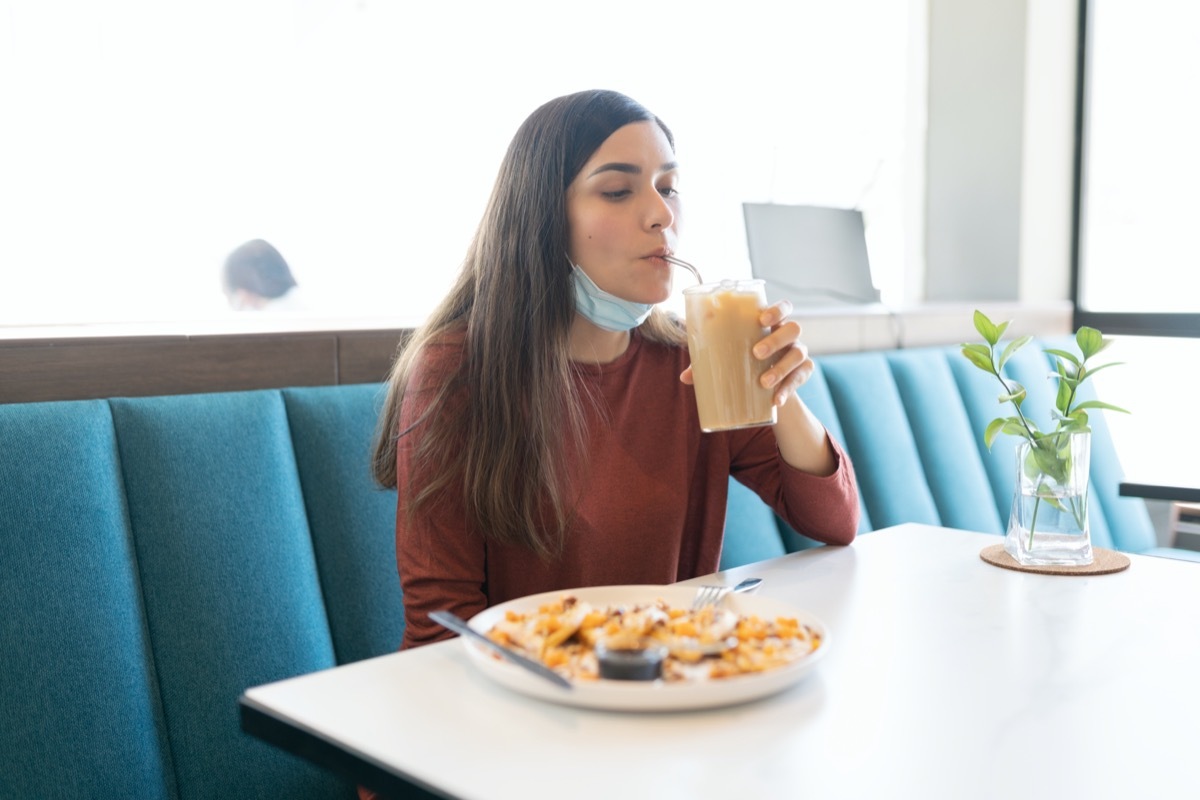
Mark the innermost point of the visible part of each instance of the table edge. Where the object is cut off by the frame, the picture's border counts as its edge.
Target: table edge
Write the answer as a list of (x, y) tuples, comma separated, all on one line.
[(299, 740)]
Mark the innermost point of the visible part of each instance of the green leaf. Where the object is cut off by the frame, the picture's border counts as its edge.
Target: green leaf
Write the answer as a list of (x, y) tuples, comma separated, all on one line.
[(981, 349), (1049, 463), (1098, 404), (1076, 423), (992, 431), (987, 329), (1090, 341), (1065, 373), (1071, 380), (1029, 466), (1013, 346), (1001, 328), (1063, 354), (1046, 492), (1014, 427), (1032, 467), (1065, 391), (1010, 426), (1093, 370), (1067, 370), (983, 361), (1015, 394)]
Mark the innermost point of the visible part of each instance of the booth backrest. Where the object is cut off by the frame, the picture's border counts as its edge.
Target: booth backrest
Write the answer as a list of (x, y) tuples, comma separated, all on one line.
[(160, 555)]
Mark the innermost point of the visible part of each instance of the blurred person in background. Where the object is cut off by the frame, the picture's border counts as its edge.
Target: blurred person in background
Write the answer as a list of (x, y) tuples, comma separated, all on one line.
[(257, 278)]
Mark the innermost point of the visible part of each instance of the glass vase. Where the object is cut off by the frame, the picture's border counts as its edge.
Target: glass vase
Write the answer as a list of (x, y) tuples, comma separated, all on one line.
[(1048, 525)]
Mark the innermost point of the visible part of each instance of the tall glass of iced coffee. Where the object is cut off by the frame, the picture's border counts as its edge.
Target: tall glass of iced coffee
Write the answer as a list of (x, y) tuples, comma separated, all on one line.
[(722, 327)]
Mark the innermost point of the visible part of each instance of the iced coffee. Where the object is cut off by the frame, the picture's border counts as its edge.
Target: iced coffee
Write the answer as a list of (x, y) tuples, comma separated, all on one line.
[(722, 327)]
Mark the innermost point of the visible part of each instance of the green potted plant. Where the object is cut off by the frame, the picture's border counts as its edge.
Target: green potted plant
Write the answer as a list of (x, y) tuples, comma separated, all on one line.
[(1048, 524)]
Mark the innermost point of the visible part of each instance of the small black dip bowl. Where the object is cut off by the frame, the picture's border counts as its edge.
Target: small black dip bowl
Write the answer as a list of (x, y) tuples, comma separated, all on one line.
[(630, 661)]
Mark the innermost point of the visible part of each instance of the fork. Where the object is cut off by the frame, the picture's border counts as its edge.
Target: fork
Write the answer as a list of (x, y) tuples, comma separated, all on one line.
[(710, 595)]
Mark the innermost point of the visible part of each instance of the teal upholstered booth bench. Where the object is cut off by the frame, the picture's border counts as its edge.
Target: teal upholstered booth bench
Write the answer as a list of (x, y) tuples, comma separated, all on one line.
[(158, 556)]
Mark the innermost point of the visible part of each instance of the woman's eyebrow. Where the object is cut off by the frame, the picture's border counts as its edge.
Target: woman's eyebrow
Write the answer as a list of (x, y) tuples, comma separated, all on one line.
[(630, 169)]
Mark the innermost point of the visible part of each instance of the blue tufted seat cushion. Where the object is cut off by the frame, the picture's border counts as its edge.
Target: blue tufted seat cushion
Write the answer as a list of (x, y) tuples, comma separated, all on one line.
[(232, 593), (879, 440), (753, 532), (352, 521), (947, 444), (75, 662)]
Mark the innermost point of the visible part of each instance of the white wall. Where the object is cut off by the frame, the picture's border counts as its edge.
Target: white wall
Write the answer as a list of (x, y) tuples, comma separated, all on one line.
[(1048, 148), (973, 151), (1000, 149)]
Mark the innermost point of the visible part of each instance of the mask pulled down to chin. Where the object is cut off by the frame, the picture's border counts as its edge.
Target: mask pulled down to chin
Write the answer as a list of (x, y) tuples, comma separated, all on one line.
[(603, 309)]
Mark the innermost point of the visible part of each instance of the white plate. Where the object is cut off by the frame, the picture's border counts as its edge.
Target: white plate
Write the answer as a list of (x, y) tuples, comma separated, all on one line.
[(647, 695)]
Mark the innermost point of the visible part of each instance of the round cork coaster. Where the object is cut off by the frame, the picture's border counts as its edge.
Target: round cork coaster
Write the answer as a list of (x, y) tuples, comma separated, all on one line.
[(1104, 562)]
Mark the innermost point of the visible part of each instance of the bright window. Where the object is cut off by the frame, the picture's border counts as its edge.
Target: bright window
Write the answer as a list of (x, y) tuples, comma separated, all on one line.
[(145, 140), (1136, 266), (1141, 169)]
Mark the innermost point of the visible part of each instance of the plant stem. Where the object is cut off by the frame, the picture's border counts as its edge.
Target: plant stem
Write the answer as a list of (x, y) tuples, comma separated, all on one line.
[(1016, 405), (1078, 509), (1037, 502)]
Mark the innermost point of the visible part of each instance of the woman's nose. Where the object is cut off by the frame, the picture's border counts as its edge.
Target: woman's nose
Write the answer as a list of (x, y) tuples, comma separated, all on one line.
[(660, 214)]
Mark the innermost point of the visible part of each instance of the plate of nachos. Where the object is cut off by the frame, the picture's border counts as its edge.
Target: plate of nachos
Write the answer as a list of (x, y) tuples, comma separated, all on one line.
[(746, 648)]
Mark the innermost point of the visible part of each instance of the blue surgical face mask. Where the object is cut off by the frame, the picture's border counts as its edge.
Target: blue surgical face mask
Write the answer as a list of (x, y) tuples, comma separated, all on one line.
[(606, 310)]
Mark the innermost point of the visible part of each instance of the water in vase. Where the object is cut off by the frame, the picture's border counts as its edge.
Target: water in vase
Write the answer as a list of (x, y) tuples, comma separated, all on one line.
[(1060, 534)]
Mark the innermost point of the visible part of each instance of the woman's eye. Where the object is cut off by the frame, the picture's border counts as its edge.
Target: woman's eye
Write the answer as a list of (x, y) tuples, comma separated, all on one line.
[(617, 195), (669, 191)]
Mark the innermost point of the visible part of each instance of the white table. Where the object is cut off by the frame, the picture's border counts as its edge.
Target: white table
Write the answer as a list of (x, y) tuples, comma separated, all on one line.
[(947, 678)]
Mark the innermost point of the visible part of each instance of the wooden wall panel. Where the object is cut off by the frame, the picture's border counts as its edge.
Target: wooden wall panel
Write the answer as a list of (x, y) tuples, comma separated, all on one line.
[(367, 356), (74, 369), (128, 365)]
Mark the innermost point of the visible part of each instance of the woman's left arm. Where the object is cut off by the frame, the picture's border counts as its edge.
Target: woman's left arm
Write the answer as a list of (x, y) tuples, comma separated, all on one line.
[(801, 437)]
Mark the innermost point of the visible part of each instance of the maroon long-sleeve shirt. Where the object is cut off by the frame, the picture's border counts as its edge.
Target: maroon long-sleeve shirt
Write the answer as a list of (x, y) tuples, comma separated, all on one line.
[(652, 504)]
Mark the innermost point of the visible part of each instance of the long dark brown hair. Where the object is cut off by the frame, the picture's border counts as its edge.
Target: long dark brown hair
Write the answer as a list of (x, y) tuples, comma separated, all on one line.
[(501, 449)]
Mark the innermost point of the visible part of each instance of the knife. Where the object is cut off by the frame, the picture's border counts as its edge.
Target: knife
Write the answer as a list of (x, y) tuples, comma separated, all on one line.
[(459, 626)]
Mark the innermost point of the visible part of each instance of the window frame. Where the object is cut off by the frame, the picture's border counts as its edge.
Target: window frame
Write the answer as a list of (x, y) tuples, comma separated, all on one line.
[(1171, 324)]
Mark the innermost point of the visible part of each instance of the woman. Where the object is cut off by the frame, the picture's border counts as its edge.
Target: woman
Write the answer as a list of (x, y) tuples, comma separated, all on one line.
[(541, 427)]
